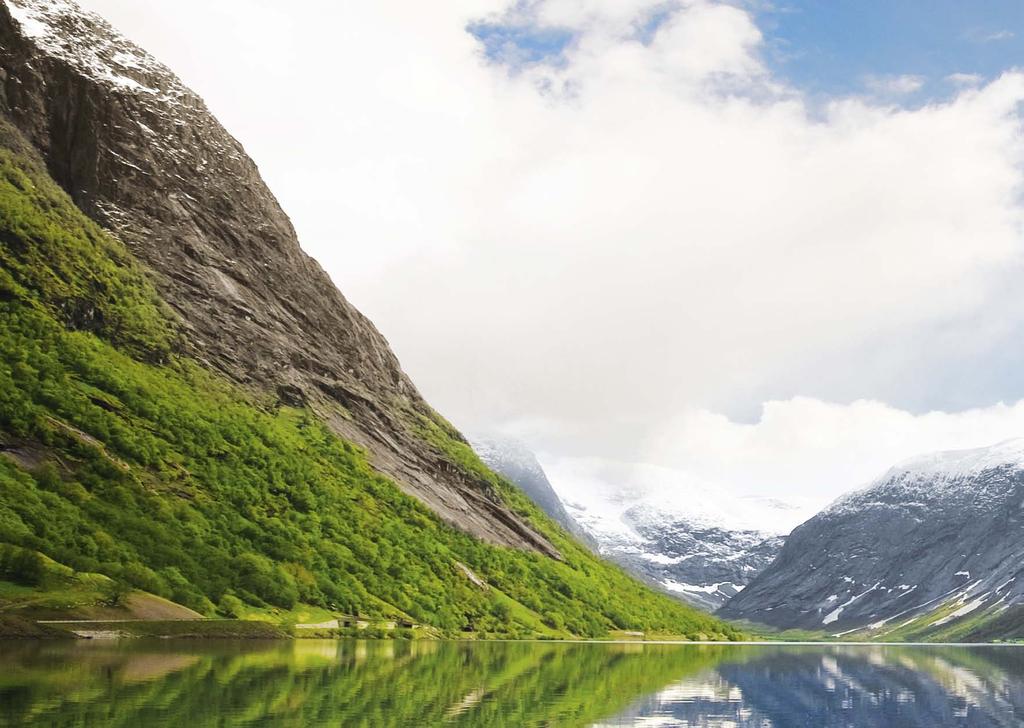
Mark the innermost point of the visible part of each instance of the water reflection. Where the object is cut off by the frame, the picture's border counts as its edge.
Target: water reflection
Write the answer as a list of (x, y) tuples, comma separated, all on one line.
[(844, 686), (349, 683)]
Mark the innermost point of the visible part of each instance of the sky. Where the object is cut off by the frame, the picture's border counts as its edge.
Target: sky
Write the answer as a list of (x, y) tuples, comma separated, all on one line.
[(773, 247)]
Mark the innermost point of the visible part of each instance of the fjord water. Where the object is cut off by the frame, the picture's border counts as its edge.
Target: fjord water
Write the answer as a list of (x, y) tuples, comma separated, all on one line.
[(355, 683)]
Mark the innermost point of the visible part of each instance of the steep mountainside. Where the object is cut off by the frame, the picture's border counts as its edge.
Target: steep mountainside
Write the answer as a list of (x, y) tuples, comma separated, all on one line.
[(141, 155), (188, 406), (517, 462), (932, 550)]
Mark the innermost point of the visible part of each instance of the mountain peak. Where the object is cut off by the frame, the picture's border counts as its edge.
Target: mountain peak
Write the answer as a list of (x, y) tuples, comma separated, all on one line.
[(935, 539), (92, 46), (958, 463), (937, 476)]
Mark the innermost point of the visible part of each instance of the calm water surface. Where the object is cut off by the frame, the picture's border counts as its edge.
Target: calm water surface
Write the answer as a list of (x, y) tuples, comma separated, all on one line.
[(374, 684)]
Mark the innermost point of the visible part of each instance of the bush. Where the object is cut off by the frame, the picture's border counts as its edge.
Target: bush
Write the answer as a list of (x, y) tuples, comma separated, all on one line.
[(115, 593), (231, 606), (270, 582), (144, 578), (22, 566)]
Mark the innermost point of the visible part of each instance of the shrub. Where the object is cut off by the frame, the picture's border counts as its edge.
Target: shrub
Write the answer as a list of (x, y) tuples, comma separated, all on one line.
[(231, 606), (115, 593), (23, 566)]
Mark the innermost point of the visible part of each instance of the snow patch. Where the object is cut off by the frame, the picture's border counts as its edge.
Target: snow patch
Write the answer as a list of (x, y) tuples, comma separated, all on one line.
[(834, 615), (676, 586), (964, 610), (662, 559), (87, 42), (925, 478)]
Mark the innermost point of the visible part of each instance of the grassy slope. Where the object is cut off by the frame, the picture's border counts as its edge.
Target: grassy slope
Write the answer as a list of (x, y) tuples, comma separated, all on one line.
[(982, 625), (59, 592), (130, 461)]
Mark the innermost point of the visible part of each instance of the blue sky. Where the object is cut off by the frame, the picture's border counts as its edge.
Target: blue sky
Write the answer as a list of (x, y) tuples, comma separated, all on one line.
[(830, 46), (834, 47)]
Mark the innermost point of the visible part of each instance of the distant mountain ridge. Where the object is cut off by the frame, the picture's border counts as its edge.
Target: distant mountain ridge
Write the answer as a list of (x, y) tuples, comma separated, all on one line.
[(933, 549), (703, 563), (702, 556), (518, 463)]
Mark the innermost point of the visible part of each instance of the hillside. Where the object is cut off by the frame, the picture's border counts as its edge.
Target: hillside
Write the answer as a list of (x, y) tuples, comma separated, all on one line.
[(189, 407), (931, 551), (143, 157)]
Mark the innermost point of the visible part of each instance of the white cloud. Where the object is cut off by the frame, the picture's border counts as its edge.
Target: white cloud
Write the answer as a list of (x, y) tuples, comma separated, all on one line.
[(964, 79), (657, 225), (894, 85), (809, 447), (707, 40), (613, 16), (601, 493), (981, 36), (804, 451)]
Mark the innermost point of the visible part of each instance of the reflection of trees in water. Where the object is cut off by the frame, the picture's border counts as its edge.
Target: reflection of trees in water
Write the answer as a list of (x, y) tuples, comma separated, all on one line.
[(789, 687), (344, 682), (384, 683)]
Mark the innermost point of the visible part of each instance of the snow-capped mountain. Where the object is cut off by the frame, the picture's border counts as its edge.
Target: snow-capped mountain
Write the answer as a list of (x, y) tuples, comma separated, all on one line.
[(701, 563), (933, 549), (696, 542)]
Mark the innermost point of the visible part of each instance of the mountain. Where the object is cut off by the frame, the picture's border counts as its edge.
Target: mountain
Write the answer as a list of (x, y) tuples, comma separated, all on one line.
[(698, 553), (141, 155), (515, 461), (695, 541), (700, 559), (188, 405), (932, 550)]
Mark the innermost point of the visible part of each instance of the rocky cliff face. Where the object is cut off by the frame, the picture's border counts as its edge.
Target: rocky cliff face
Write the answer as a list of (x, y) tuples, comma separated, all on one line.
[(142, 155), (933, 549)]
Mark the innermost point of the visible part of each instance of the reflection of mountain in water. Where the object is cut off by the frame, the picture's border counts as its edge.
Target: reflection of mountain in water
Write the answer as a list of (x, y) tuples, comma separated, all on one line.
[(480, 685), (867, 687)]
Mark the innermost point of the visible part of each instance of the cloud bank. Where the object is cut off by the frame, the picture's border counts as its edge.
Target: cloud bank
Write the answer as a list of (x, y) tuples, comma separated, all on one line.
[(622, 241)]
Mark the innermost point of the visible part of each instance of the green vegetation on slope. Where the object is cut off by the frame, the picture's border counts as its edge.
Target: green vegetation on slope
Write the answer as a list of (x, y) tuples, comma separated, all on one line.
[(944, 624), (126, 460)]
